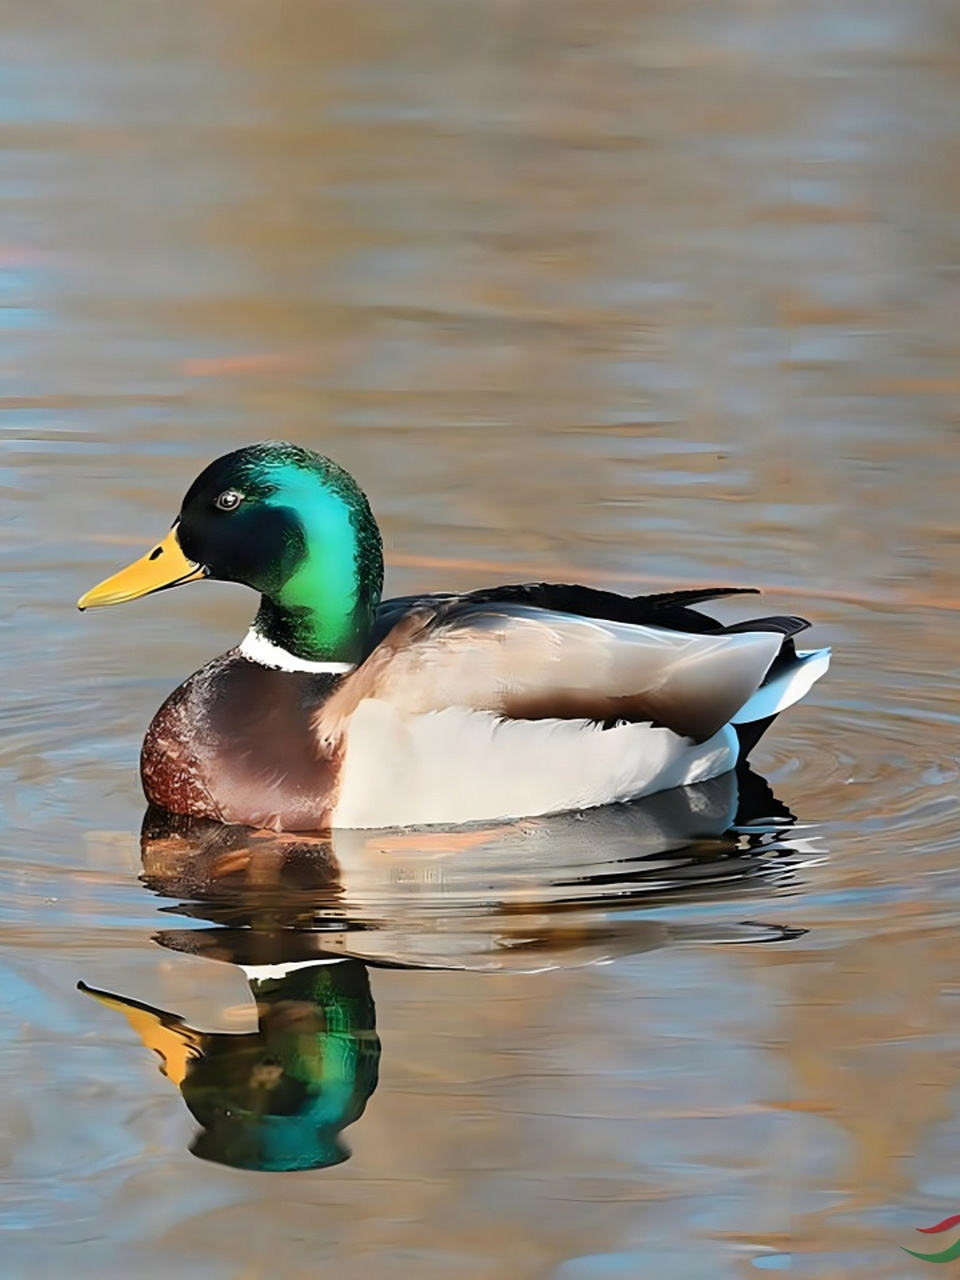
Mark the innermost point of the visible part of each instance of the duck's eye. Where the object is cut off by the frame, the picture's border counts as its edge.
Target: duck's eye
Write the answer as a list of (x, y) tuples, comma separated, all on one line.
[(229, 500)]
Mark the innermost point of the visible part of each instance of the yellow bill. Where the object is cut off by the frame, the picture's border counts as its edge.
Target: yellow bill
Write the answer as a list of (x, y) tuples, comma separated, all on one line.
[(164, 566), (165, 1033)]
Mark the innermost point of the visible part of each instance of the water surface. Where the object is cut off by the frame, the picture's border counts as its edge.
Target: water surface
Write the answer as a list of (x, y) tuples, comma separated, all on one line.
[(632, 294)]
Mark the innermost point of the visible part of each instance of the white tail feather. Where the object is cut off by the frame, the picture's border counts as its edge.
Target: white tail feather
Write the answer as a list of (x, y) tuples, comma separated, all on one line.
[(786, 688)]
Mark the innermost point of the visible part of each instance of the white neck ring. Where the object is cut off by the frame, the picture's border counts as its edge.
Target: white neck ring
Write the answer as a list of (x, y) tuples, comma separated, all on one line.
[(257, 648)]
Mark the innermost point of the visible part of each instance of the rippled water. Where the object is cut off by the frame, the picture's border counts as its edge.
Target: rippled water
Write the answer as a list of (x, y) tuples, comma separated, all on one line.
[(627, 293)]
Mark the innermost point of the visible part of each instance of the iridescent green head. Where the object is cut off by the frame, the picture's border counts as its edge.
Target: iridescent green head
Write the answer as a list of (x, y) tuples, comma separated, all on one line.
[(287, 522)]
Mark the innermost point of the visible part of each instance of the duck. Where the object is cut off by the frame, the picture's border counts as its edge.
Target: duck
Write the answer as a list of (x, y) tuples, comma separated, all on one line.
[(339, 709)]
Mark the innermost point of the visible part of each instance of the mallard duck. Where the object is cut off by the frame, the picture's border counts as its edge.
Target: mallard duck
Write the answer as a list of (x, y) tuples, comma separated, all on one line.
[(339, 709)]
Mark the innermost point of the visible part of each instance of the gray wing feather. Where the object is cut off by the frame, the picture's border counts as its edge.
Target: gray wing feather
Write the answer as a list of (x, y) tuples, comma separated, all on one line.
[(530, 663)]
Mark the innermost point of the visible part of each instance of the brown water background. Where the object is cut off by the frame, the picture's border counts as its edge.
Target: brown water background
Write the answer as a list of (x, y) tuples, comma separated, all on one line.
[(625, 292)]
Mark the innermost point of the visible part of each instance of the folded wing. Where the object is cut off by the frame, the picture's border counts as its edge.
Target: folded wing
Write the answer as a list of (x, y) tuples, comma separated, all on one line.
[(526, 662)]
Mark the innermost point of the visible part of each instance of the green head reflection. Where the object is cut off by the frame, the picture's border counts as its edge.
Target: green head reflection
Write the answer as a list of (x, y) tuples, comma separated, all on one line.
[(277, 1098)]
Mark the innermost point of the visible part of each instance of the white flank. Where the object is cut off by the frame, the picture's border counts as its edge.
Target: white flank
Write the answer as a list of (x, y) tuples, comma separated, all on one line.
[(456, 765), (257, 648)]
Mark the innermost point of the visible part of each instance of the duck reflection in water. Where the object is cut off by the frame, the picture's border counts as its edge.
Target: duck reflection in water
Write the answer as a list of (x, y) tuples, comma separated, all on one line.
[(276, 1098), (304, 916)]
